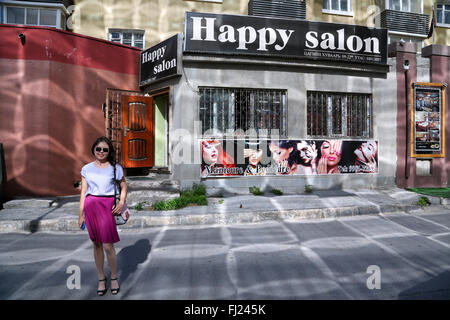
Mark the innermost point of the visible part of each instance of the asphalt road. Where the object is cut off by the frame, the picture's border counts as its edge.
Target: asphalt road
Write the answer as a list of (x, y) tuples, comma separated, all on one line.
[(392, 256)]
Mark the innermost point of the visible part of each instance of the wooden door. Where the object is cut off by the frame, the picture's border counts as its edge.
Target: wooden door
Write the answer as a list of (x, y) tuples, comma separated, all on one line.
[(138, 132)]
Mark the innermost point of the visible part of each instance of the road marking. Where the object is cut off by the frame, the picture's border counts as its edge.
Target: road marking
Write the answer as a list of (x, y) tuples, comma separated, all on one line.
[(314, 258), (391, 251), (24, 291), (431, 221)]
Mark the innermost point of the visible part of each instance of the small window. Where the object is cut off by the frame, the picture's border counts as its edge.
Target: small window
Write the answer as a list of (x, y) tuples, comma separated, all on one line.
[(32, 16), (258, 111), (415, 6), (337, 6), (133, 38), (48, 17), (339, 114), (15, 15), (443, 14)]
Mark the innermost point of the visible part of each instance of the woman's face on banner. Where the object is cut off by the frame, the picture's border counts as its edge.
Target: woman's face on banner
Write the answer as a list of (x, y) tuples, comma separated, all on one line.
[(210, 152), (279, 154), (331, 150), (255, 157), (366, 151)]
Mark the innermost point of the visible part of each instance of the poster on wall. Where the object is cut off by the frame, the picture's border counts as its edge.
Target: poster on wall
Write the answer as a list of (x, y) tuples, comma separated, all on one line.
[(428, 120), (231, 158)]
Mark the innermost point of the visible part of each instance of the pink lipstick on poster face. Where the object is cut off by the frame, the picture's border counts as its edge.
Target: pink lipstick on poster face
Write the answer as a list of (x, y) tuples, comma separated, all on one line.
[(332, 158)]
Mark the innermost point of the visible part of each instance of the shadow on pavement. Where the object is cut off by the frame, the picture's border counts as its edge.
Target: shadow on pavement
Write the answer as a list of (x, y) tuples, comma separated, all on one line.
[(130, 257), (437, 288)]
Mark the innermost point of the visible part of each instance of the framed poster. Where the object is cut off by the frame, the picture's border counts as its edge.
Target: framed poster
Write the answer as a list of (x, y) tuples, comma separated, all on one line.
[(428, 120)]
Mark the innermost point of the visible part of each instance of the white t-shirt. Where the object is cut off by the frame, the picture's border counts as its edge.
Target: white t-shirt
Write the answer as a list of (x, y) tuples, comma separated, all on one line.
[(100, 180)]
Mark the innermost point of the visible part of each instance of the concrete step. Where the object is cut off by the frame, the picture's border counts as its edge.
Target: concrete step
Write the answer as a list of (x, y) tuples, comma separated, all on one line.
[(150, 188), (153, 183), (148, 198)]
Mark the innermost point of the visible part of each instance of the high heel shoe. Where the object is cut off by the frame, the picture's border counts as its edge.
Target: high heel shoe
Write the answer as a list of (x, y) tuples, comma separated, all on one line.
[(102, 292), (115, 291)]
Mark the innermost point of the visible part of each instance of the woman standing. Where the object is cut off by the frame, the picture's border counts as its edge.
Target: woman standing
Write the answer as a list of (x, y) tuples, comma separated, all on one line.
[(97, 208)]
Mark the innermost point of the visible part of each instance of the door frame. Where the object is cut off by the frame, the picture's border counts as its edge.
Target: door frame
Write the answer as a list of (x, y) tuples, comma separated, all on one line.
[(113, 120), (154, 94)]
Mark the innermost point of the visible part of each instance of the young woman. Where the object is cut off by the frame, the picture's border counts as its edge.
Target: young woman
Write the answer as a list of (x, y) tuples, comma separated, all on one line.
[(367, 157), (97, 208), (285, 155), (254, 158), (213, 156), (331, 153)]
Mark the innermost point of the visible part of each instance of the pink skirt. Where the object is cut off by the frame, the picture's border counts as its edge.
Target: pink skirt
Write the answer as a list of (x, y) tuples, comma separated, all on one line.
[(100, 221)]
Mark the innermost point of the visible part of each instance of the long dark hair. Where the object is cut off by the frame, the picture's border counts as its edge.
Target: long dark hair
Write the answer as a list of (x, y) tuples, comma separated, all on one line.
[(286, 144)]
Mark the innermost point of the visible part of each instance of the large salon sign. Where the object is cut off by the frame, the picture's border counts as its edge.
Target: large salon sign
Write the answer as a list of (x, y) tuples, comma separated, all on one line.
[(239, 34), (161, 62)]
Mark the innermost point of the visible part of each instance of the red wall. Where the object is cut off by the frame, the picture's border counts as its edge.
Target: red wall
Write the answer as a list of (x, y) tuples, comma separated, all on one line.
[(440, 73), (406, 165), (52, 89)]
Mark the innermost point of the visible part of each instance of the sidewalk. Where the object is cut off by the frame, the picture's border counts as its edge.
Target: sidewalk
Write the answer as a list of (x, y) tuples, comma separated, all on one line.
[(61, 213)]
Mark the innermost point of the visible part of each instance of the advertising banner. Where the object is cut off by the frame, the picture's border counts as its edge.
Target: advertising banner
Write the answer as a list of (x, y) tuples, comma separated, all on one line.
[(427, 119), (162, 61), (231, 158), (244, 35)]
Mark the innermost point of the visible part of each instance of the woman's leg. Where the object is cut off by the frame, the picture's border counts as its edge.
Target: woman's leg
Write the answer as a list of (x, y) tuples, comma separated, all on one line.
[(99, 258), (112, 262)]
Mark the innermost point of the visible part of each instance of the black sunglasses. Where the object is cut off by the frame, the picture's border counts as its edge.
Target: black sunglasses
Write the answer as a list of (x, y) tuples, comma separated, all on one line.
[(98, 149)]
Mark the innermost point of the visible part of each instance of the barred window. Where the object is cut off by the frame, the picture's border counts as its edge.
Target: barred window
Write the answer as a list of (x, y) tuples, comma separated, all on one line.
[(339, 114), (262, 110)]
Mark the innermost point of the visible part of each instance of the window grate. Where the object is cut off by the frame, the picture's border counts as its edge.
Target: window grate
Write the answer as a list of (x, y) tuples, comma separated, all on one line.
[(339, 114), (259, 112)]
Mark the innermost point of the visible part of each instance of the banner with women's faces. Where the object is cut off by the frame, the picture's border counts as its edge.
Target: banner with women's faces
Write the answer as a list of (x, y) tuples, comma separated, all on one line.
[(230, 158)]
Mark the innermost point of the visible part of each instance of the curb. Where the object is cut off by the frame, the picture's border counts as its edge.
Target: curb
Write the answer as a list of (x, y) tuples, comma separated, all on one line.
[(229, 218)]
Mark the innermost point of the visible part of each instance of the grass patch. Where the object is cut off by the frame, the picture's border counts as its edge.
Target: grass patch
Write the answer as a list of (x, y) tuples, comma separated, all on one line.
[(256, 191), (195, 195), (139, 206), (308, 188), (423, 201), (432, 192)]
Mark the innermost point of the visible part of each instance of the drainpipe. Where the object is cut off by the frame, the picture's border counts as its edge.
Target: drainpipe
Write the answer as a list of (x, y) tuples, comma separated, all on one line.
[(406, 68)]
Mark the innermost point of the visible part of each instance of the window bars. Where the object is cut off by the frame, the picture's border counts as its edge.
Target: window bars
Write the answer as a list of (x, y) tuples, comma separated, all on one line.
[(339, 114), (243, 110)]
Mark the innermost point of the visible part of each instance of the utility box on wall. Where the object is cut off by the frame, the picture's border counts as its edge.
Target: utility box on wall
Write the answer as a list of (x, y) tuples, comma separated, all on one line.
[(291, 9)]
